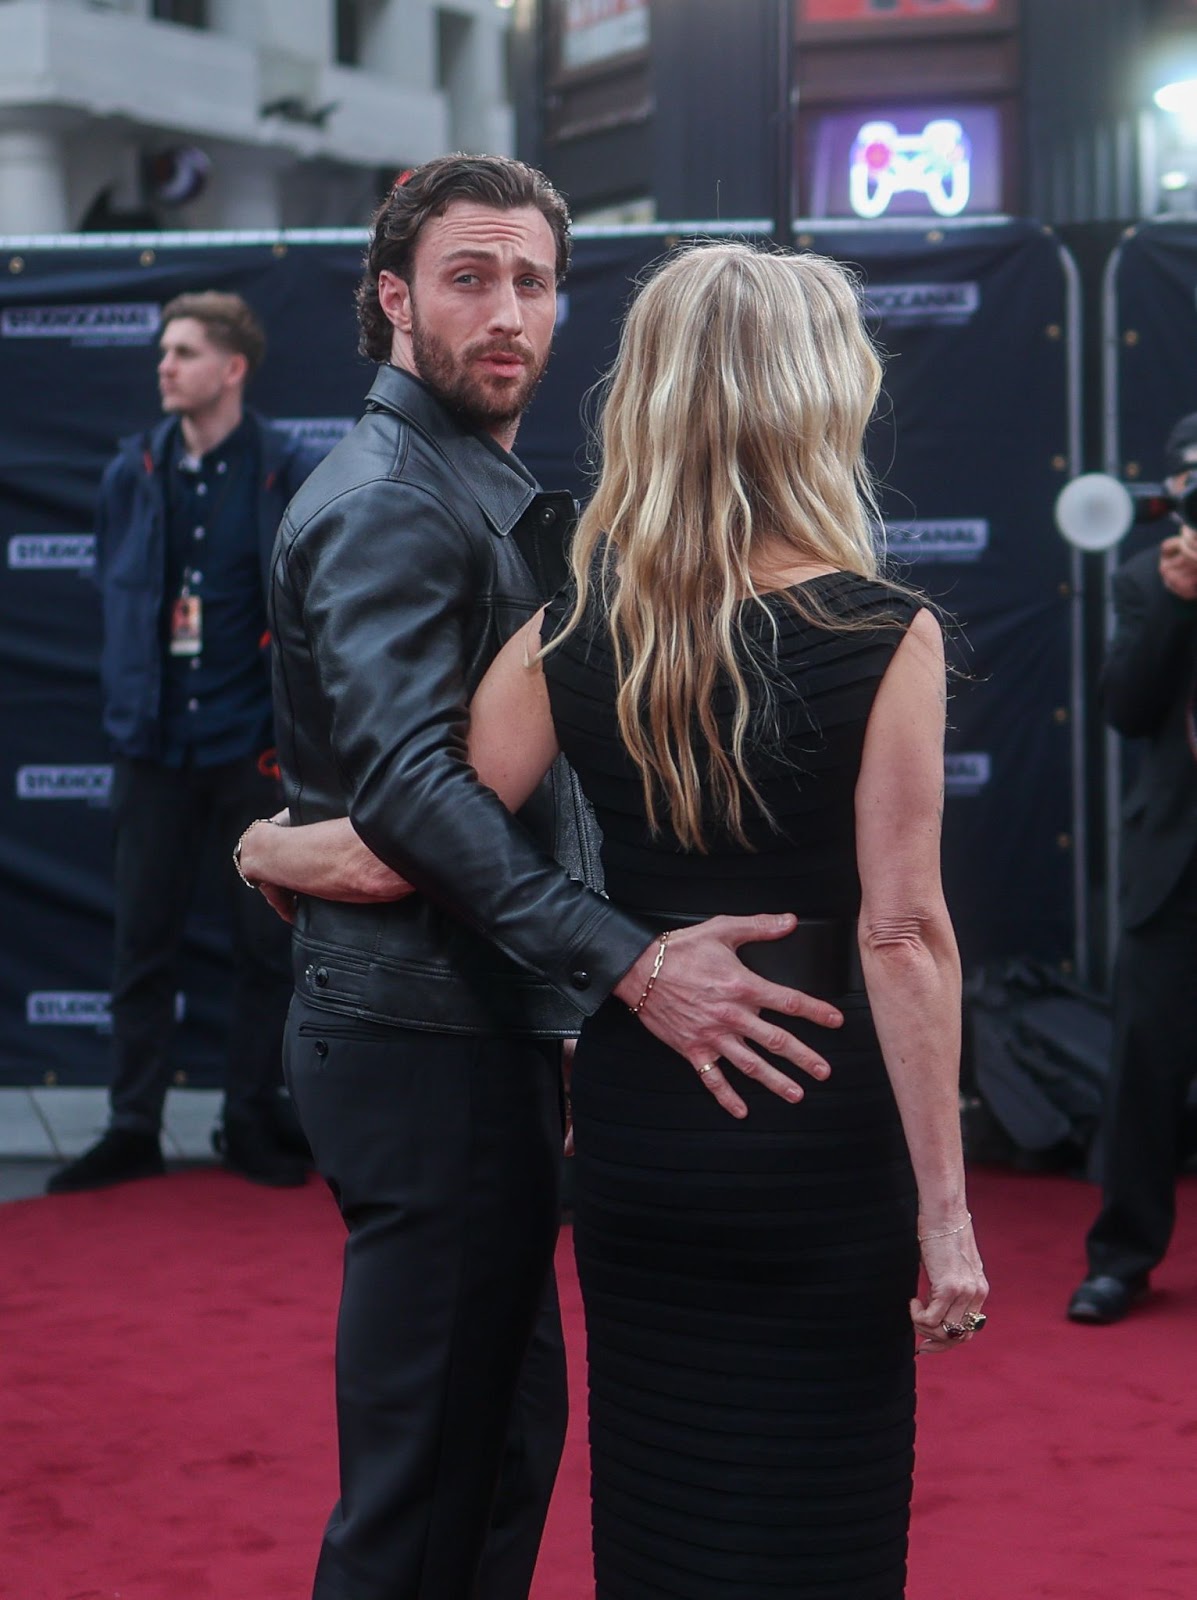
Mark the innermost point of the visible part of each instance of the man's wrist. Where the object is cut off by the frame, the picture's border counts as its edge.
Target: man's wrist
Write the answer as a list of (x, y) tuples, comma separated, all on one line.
[(631, 986)]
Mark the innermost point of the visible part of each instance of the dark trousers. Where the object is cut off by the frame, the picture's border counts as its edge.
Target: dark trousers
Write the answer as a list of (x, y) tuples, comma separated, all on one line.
[(1155, 1061), (444, 1155), (165, 820)]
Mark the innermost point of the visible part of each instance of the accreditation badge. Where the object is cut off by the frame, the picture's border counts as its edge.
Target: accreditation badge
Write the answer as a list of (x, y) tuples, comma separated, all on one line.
[(187, 626)]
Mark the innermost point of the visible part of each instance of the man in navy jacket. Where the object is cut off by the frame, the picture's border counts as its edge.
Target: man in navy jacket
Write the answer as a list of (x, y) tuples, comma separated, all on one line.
[(185, 524)]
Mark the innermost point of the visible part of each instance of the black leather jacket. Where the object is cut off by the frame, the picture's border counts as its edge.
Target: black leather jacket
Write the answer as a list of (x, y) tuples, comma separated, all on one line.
[(412, 553)]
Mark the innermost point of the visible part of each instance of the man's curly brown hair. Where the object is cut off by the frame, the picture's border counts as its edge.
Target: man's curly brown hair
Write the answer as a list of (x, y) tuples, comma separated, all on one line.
[(426, 192)]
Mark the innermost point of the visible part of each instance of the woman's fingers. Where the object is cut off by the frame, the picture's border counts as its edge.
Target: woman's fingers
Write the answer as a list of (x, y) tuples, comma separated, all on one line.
[(948, 1316)]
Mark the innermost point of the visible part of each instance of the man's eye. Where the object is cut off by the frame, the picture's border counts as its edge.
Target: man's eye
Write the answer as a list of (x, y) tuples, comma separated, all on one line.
[(466, 277), (532, 283)]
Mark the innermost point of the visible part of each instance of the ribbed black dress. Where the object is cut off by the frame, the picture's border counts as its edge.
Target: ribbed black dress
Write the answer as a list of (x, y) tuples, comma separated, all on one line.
[(751, 1359)]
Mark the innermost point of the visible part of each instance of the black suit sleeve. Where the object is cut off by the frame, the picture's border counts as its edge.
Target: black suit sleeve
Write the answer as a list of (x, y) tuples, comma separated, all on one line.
[(385, 616), (1153, 650)]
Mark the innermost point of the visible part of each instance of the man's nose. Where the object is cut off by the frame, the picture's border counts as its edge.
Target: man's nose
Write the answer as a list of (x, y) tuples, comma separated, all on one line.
[(506, 312)]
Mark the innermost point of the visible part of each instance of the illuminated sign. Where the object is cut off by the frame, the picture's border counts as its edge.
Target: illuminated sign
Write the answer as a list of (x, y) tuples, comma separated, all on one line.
[(892, 10), (594, 31), (935, 163), (915, 161)]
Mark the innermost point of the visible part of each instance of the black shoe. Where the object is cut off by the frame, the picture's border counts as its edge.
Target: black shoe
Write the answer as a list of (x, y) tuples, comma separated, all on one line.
[(119, 1157), (248, 1146), (1104, 1298)]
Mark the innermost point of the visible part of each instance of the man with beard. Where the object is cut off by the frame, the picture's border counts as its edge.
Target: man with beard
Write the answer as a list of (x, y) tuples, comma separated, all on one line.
[(423, 1044)]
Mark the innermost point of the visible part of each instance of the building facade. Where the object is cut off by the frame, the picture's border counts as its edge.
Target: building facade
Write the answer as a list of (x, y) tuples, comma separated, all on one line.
[(236, 114), (855, 109)]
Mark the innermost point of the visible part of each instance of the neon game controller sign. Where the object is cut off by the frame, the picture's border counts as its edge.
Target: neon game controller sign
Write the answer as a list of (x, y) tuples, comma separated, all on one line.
[(936, 163)]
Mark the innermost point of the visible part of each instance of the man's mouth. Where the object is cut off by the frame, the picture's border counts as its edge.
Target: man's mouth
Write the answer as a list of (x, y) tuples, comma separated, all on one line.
[(507, 362)]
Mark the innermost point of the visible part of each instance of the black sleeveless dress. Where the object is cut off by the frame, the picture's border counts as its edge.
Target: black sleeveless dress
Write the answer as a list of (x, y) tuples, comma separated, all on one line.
[(751, 1358)]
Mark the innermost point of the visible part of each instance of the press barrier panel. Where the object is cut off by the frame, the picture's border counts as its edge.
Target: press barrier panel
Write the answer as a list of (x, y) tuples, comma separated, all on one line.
[(971, 446)]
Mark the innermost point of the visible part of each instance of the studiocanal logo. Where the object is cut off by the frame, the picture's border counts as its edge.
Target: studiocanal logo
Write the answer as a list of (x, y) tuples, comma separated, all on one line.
[(938, 539), (68, 1008), (135, 323), (92, 784), (320, 432), (967, 772), (52, 552), (78, 1008), (923, 305)]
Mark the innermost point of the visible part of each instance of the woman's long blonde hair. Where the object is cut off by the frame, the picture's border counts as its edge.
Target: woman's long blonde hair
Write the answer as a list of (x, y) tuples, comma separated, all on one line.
[(732, 430)]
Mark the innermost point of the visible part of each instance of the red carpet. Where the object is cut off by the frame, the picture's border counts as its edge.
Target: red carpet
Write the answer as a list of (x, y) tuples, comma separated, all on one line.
[(166, 1411)]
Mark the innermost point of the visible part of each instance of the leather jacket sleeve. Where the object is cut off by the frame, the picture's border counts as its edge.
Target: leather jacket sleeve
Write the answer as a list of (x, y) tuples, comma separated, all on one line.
[(1153, 651), (385, 618)]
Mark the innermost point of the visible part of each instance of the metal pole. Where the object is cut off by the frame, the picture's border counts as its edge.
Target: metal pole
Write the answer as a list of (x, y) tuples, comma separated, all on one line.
[(1080, 824), (783, 195), (1113, 745)]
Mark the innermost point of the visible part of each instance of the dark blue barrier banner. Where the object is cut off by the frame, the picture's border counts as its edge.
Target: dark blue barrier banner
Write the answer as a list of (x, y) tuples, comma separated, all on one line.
[(971, 448), (78, 351), (1152, 323)]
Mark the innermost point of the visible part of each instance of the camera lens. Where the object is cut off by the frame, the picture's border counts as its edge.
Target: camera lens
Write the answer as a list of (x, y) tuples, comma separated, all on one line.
[(1187, 506)]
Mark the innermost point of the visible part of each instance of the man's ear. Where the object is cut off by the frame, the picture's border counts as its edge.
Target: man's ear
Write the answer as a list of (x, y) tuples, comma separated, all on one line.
[(237, 372), (394, 296)]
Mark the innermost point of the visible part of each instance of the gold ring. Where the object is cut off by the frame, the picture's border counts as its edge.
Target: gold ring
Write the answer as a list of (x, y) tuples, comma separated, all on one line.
[(974, 1321), (707, 1066), (954, 1330)]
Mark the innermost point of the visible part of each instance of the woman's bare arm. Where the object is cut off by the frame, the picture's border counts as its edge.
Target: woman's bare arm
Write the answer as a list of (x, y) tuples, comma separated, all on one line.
[(512, 745), (911, 965)]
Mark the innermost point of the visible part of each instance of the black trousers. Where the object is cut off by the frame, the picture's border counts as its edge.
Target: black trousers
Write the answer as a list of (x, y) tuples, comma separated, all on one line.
[(444, 1155), (165, 820), (1155, 1061)]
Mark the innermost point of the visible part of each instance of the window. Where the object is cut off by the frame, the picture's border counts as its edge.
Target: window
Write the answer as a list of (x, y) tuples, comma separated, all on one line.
[(348, 49), (187, 13), (453, 30)]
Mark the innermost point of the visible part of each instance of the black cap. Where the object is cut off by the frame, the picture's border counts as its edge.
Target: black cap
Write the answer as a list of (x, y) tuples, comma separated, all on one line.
[(1180, 449)]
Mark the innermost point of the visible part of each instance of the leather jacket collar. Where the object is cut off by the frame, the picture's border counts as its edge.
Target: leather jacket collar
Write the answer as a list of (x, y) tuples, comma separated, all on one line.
[(501, 486)]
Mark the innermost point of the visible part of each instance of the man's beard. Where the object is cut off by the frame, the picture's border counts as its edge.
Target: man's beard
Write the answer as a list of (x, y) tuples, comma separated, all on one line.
[(467, 393)]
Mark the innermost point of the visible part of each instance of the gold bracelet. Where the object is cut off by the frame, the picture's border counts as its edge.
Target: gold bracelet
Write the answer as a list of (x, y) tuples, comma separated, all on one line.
[(248, 882), (658, 963), (948, 1232)]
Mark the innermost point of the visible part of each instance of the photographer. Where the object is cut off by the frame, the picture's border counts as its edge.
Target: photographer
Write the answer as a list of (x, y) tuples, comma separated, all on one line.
[(1149, 689)]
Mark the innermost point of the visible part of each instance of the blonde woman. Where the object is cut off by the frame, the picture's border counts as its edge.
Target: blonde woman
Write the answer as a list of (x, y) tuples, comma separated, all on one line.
[(758, 720)]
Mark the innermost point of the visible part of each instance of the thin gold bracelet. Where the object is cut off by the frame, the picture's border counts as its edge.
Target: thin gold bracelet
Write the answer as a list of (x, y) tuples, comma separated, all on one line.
[(947, 1232), (658, 963)]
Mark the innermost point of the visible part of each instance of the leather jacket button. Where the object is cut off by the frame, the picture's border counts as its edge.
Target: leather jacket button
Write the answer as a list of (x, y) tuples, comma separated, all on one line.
[(548, 515), (321, 1047), (320, 976), (580, 980)]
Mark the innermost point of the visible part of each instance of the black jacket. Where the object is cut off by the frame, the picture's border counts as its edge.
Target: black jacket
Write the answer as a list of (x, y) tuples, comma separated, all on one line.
[(131, 567), (414, 551), (1148, 685)]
